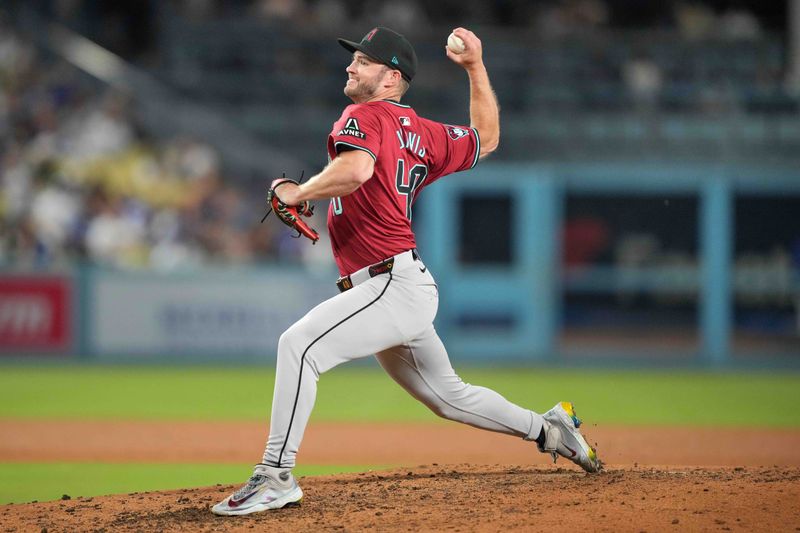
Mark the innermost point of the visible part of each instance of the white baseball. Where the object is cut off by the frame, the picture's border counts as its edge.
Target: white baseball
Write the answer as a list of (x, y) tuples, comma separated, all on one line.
[(455, 44)]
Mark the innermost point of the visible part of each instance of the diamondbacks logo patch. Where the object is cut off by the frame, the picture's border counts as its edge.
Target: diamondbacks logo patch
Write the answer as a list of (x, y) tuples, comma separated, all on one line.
[(405, 121), (456, 133), (351, 128)]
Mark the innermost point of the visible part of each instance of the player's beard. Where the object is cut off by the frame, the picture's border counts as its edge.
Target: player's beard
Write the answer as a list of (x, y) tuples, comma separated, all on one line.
[(362, 91)]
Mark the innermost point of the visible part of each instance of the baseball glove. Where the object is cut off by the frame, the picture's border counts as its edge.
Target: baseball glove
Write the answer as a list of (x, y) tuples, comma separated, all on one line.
[(291, 214)]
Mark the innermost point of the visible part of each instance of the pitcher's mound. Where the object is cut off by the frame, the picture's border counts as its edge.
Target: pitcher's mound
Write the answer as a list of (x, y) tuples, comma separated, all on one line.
[(461, 497)]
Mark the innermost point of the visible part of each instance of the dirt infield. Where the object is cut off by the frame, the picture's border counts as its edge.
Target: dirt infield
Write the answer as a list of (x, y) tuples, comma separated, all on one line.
[(460, 498), (456, 479), (383, 444)]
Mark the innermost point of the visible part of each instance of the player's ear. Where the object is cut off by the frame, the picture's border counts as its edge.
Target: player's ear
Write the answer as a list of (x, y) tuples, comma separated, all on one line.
[(396, 78)]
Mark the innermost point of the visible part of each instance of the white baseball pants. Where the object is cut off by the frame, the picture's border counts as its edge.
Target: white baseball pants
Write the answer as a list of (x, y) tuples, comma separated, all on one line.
[(391, 316)]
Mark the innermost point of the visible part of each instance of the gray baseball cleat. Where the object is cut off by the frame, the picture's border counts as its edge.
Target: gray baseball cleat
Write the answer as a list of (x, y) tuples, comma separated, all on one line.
[(562, 437), (268, 488)]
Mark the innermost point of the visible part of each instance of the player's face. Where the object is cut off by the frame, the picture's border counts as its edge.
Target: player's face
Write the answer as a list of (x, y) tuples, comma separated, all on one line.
[(364, 78)]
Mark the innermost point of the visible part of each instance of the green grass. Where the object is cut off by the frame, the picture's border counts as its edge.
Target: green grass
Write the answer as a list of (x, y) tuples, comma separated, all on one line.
[(367, 394), (345, 394), (25, 482)]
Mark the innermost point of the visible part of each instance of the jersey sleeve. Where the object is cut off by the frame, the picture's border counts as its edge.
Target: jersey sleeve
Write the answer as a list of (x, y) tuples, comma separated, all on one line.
[(462, 146), (357, 129)]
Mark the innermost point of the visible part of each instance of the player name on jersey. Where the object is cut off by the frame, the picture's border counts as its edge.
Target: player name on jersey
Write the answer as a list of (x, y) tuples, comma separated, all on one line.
[(410, 142)]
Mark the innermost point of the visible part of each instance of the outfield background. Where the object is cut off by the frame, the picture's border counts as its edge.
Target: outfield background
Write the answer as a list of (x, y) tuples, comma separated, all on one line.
[(364, 394), (633, 246)]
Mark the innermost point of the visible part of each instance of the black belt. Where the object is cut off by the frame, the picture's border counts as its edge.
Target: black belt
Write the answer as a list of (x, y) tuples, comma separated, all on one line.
[(384, 267)]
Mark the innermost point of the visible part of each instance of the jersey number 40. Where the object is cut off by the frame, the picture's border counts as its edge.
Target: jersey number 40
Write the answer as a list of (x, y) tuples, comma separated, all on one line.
[(407, 186)]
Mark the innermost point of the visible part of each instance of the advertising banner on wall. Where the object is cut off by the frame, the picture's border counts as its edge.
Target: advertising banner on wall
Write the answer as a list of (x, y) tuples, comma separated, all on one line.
[(218, 316), (35, 314)]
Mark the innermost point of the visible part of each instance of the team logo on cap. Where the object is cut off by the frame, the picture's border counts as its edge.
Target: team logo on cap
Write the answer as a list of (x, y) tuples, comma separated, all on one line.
[(368, 37), (351, 128), (456, 133)]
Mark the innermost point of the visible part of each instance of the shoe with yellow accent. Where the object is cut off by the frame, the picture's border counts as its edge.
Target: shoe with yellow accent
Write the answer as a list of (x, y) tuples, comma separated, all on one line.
[(562, 437)]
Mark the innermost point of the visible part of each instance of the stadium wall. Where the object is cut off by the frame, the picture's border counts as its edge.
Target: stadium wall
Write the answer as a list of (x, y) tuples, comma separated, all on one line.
[(508, 305)]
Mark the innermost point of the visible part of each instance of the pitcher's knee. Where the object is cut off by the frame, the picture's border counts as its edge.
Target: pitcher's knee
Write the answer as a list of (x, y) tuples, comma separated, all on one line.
[(297, 345), (292, 343), (443, 410), (450, 403)]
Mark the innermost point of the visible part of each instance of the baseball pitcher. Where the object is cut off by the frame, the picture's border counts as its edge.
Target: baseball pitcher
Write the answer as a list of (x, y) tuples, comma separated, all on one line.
[(382, 155)]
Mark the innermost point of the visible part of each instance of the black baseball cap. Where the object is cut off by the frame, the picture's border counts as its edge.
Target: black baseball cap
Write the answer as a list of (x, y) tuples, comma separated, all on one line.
[(388, 47)]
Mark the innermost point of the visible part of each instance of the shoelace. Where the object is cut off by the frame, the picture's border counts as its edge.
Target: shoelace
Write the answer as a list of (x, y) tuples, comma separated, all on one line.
[(252, 483)]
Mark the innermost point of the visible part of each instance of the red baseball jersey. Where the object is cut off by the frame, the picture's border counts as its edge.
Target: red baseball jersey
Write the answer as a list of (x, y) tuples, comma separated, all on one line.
[(410, 153)]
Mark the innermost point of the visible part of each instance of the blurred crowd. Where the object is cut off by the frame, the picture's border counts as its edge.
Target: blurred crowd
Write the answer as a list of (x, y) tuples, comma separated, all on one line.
[(130, 28), (80, 181), (550, 18), (642, 69)]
